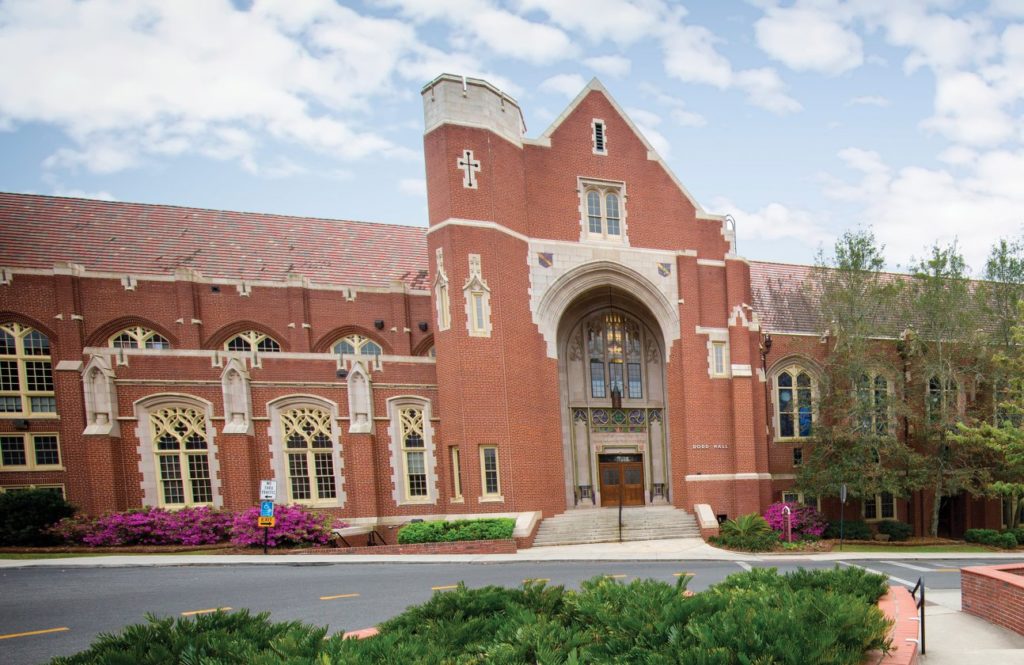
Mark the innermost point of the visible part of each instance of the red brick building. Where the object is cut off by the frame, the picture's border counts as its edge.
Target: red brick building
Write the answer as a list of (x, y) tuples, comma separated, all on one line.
[(570, 330)]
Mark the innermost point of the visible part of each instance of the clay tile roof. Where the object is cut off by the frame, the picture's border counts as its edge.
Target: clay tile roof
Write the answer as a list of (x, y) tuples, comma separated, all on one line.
[(142, 239), (782, 298)]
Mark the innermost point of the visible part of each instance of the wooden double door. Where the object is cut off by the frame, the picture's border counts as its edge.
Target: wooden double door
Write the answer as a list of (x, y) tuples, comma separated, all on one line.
[(622, 478)]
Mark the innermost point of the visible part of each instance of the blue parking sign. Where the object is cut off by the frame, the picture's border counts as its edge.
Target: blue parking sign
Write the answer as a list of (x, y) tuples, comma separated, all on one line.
[(266, 508)]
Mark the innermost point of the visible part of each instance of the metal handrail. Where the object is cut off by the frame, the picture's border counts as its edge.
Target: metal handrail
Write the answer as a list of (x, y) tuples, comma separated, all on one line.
[(620, 512), (920, 608)]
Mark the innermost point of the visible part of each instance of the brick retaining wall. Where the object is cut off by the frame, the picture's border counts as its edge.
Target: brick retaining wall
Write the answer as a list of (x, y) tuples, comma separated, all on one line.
[(899, 607), (995, 593)]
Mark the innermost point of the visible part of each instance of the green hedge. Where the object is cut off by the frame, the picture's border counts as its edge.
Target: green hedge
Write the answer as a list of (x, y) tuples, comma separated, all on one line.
[(495, 528), (852, 530), (761, 617), (897, 530), (992, 538), (27, 515)]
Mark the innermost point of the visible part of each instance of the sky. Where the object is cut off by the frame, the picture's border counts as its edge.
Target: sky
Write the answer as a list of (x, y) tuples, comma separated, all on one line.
[(800, 119)]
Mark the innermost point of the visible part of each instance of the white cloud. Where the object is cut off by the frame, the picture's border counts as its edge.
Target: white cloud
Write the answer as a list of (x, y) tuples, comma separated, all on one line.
[(615, 66), (969, 110), (958, 155), (413, 187), (809, 40), (126, 80), (480, 24), (688, 118), (774, 221), (619, 21), (679, 112), (646, 122), (764, 88), (869, 100), (912, 207), (102, 195), (569, 85)]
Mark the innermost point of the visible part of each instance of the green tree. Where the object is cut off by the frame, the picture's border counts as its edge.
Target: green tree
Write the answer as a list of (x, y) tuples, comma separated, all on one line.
[(946, 349), (1001, 298), (856, 438)]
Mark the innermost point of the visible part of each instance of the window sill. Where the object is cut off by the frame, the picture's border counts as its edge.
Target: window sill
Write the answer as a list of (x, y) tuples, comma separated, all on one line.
[(425, 501), (458, 499), (29, 416), (491, 499), (30, 469)]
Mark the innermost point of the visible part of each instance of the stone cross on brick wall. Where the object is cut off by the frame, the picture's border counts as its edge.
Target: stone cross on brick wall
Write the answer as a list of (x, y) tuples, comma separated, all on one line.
[(470, 166)]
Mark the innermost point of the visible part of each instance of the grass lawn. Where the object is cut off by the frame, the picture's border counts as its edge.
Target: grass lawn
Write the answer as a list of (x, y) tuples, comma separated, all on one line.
[(72, 555), (912, 548)]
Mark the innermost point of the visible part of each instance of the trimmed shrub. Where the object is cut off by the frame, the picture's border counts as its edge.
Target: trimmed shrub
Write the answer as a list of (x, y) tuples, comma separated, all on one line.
[(153, 526), (992, 538), (26, 516), (1018, 533), (295, 526), (897, 531), (806, 521), (746, 532), (852, 530), (440, 531), (815, 617)]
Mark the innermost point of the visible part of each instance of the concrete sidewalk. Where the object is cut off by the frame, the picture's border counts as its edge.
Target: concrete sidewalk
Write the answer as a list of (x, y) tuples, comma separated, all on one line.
[(679, 549), (955, 638)]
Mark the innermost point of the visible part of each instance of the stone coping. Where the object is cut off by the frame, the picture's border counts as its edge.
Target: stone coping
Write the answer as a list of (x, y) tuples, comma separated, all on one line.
[(900, 608)]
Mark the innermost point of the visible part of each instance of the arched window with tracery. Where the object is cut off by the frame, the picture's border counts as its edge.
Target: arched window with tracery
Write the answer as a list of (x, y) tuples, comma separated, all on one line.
[(615, 351), (26, 371), (309, 444), (252, 339), (873, 404), (794, 403), (181, 448), (941, 399), (357, 344), (138, 337)]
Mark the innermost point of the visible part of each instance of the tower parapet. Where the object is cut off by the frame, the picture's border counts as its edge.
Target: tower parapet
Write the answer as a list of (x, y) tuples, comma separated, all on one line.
[(459, 100)]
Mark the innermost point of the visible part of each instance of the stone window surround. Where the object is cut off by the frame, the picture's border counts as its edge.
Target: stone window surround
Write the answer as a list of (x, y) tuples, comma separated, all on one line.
[(617, 187), (394, 407), (717, 336), (147, 457), (278, 455), (486, 497), (478, 300), (794, 366), (603, 150)]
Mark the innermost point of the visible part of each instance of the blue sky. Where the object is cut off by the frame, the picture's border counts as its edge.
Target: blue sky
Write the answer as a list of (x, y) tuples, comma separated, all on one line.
[(801, 119)]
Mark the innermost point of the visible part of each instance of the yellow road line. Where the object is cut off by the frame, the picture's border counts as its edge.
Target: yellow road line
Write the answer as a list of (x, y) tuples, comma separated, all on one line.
[(536, 579), (682, 574), (34, 632), (206, 611), (615, 577), (444, 588), (945, 570), (341, 595)]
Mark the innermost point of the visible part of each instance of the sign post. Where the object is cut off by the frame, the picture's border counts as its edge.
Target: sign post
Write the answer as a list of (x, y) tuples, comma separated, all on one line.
[(266, 520), (842, 514)]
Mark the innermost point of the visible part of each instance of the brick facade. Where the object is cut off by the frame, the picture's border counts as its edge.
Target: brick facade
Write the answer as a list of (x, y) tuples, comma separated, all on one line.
[(995, 593), (82, 271)]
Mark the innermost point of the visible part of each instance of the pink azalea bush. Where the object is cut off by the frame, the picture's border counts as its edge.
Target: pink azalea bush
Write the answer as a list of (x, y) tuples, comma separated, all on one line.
[(294, 526), (195, 526), (806, 521), (153, 526)]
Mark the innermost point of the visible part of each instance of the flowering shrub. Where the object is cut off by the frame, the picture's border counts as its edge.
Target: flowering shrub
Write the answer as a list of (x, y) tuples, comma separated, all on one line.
[(294, 526), (806, 521), (152, 526)]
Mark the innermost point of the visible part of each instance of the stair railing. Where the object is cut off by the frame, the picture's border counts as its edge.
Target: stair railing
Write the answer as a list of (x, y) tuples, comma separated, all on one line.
[(620, 514)]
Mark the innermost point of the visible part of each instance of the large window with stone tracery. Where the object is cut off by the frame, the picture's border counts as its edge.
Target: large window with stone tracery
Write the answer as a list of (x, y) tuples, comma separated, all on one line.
[(615, 354), (252, 339), (309, 445), (410, 424), (794, 403), (26, 372), (138, 337), (182, 450)]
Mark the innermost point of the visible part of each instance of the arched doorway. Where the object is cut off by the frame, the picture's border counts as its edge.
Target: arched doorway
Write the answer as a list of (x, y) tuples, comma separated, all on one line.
[(612, 376)]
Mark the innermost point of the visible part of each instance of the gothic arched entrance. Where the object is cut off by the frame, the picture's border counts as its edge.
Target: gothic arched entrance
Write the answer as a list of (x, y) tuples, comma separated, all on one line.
[(611, 368)]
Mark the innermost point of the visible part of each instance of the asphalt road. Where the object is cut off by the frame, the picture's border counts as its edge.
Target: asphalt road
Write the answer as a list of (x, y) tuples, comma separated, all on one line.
[(83, 602)]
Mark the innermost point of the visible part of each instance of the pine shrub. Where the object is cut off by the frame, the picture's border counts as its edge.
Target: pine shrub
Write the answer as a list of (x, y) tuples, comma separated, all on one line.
[(26, 517), (760, 617)]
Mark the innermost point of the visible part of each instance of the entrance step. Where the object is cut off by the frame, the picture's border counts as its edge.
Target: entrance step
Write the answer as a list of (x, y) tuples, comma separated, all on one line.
[(601, 525)]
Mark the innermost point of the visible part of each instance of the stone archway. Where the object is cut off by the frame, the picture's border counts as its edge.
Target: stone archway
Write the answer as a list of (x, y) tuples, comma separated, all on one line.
[(611, 363)]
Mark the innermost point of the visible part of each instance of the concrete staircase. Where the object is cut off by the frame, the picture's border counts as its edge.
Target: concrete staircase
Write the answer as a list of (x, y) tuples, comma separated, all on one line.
[(601, 525)]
